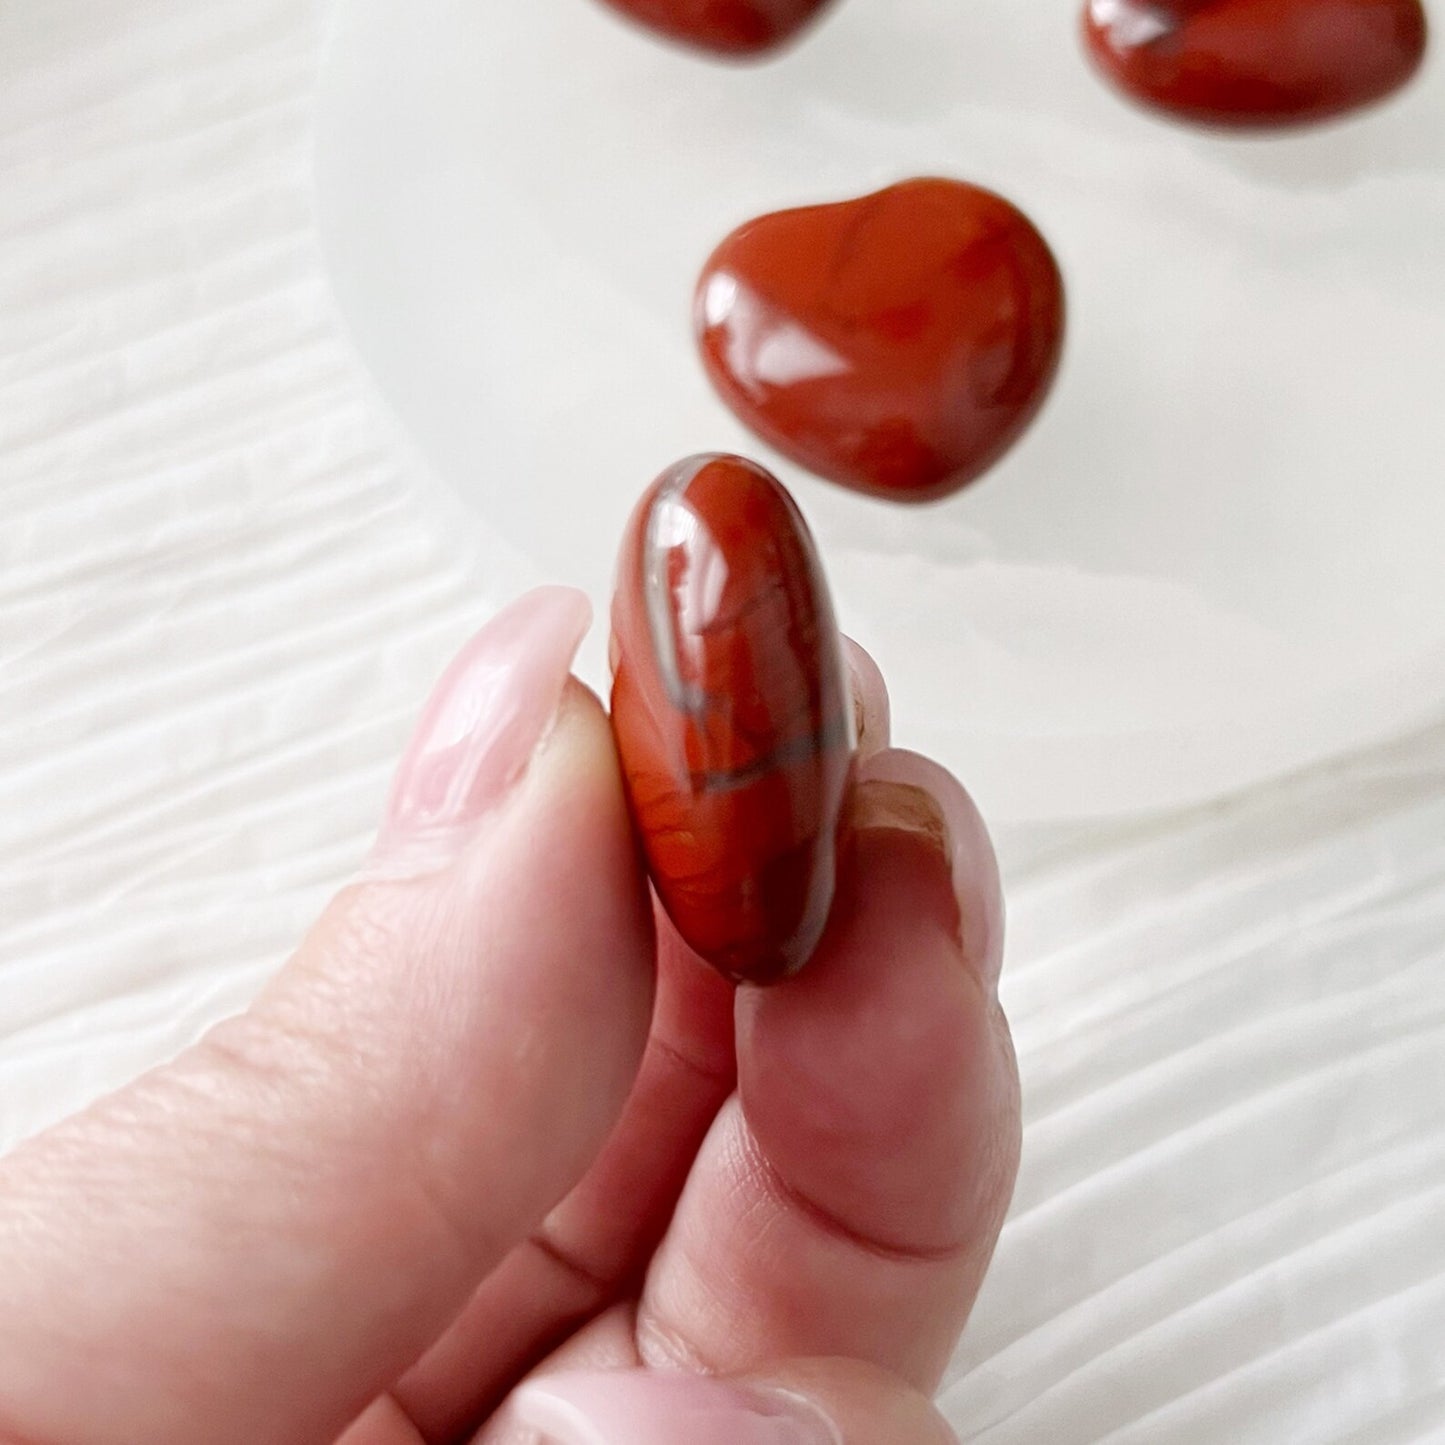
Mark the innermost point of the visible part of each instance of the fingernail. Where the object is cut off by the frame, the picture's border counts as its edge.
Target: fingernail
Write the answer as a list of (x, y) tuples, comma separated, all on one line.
[(871, 710), (911, 793), (480, 728), (652, 1407)]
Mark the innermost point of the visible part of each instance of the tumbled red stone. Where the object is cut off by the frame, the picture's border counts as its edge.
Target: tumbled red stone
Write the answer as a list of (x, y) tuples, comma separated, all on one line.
[(731, 710), (724, 27), (1256, 63), (898, 344)]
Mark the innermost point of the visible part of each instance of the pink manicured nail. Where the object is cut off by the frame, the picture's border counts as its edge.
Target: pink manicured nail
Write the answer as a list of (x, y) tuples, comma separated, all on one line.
[(870, 700), (482, 724), (649, 1407), (905, 790)]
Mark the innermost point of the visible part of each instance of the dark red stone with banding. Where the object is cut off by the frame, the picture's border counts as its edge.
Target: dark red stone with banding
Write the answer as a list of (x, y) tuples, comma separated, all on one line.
[(898, 344), (732, 714), (1256, 64), (724, 27)]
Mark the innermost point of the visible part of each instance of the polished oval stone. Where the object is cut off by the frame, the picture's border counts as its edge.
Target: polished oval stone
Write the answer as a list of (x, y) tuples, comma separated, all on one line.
[(1256, 63), (724, 27), (731, 710), (898, 344)]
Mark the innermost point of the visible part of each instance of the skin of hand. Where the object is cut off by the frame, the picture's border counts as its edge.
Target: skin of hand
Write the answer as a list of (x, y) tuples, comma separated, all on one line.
[(494, 1158)]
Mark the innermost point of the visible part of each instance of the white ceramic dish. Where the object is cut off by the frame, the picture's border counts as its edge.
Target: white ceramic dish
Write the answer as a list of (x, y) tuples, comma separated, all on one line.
[(1215, 558)]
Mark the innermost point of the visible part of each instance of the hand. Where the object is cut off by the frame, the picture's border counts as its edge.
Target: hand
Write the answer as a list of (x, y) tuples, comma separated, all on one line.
[(491, 1133)]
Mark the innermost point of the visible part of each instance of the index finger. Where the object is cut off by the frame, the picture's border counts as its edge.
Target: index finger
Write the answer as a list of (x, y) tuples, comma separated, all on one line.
[(848, 1200)]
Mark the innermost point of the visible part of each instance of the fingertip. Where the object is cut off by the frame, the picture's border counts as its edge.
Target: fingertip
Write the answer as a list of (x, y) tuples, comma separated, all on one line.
[(897, 789), (872, 711), (803, 1402), (480, 729), (864, 1403), (879, 1084)]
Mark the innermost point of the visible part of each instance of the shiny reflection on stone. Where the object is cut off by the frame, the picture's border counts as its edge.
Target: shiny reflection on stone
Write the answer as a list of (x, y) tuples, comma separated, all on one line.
[(1256, 64), (898, 344)]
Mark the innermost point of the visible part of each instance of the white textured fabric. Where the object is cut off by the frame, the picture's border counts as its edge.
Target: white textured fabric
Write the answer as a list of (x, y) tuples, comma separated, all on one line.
[(222, 593), (224, 585), (1230, 1222)]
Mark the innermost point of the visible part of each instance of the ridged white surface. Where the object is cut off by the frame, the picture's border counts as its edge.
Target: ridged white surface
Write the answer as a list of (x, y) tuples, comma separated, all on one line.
[(1230, 1224), (222, 591), (224, 585)]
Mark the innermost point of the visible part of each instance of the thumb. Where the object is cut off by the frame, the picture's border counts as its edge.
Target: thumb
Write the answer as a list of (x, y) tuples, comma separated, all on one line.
[(805, 1402), (251, 1242)]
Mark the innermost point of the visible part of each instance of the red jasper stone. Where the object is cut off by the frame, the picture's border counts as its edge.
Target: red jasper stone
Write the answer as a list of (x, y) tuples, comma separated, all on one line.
[(1256, 63), (898, 344), (732, 714), (724, 27)]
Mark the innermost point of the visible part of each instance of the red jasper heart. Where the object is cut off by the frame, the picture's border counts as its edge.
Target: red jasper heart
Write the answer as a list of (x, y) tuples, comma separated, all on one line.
[(724, 27), (1256, 63), (731, 710), (898, 344)]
